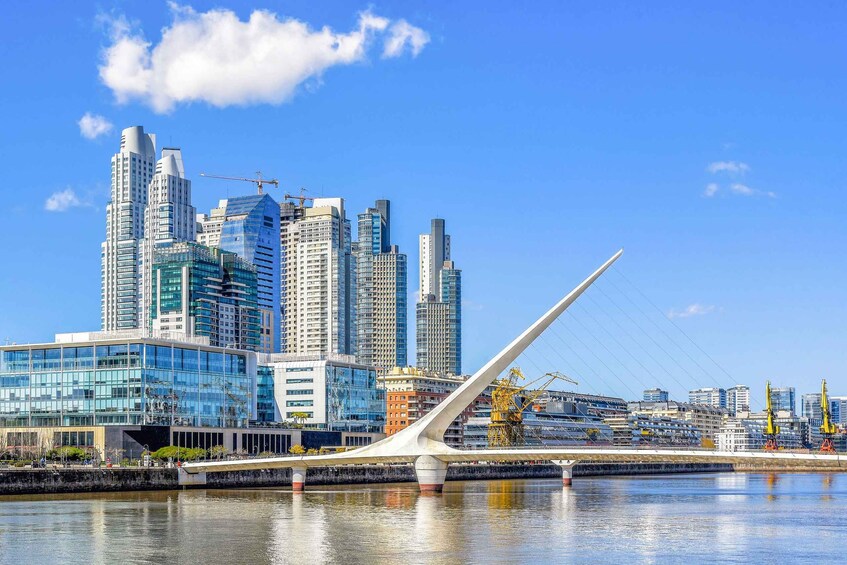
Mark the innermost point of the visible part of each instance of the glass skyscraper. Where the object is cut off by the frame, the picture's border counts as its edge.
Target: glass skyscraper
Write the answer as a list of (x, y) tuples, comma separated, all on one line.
[(203, 291), (250, 227)]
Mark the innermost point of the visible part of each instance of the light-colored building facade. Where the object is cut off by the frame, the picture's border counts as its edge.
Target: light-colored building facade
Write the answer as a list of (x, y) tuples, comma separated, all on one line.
[(168, 218), (738, 399), (319, 276), (634, 430), (655, 395), (250, 227), (706, 418), (410, 394), (748, 434), (708, 397), (132, 169), (439, 310), (327, 391), (381, 290)]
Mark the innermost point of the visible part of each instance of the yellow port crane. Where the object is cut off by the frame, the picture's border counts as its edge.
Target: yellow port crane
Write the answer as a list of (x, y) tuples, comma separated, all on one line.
[(508, 402), (259, 181), (771, 429), (828, 428)]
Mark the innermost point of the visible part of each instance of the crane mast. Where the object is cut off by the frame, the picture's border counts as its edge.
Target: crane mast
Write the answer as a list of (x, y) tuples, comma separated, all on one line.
[(828, 428), (771, 429)]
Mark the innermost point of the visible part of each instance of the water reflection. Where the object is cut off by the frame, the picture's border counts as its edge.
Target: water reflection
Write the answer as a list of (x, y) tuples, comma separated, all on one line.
[(602, 520)]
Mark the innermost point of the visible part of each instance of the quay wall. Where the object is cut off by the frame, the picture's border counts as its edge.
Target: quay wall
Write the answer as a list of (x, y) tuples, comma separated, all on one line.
[(67, 480)]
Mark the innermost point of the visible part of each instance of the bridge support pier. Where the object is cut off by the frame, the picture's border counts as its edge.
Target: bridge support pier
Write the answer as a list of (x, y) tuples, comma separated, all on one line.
[(298, 479), (431, 473), (567, 470)]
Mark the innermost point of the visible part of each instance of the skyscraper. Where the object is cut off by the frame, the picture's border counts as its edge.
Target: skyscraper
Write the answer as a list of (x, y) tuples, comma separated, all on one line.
[(319, 279), (203, 291), (168, 218), (120, 288), (439, 311), (250, 227), (381, 283)]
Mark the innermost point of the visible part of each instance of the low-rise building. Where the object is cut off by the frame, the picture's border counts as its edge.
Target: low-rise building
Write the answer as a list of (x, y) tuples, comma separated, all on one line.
[(706, 418), (326, 391), (655, 395), (746, 434), (411, 393), (636, 430)]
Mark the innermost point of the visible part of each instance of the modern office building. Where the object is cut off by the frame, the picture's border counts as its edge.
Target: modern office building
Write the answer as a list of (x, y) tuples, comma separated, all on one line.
[(250, 227), (318, 279), (439, 311), (783, 400), (841, 403), (168, 218), (655, 395), (133, 168), (811, 408), (708, 396), (327, 391), (410, 394), (381, 289), (738, 399), (203, 291)]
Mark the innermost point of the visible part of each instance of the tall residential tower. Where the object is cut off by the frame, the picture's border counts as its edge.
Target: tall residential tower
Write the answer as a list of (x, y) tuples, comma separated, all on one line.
[(120, 288), (439, 311), (381, 288)]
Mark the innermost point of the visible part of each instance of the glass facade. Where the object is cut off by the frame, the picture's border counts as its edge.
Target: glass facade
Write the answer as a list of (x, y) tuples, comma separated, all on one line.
[(207, 292), (139, 382), (265, 394), (353, 403)]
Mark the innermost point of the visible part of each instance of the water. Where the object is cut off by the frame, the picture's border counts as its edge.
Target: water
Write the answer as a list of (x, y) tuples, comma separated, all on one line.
[(688, 519)]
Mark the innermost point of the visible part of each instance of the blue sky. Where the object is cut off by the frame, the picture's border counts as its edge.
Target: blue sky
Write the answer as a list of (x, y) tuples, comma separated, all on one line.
[(706, 140)]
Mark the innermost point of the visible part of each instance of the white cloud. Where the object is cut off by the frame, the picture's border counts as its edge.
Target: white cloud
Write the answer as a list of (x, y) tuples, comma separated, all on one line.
[(402, 33), (745, 190), (62, 200), (215, 57), (692, 310), (92, 126), (711, 189), (731, 167)]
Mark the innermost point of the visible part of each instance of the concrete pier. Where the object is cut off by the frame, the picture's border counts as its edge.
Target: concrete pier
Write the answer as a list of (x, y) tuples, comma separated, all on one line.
[(431, 473)]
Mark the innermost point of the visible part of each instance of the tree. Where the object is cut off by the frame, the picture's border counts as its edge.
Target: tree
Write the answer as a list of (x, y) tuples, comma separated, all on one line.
[(178, 453), (299, 418), (707, 442), (297, 449), (218, 452), (66, 453)]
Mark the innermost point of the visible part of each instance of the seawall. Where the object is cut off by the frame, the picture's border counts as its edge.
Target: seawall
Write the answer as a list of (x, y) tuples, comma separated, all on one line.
[(55, 481)]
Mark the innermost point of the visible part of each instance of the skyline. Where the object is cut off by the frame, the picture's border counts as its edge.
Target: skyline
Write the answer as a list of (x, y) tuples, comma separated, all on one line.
[(714, 206)]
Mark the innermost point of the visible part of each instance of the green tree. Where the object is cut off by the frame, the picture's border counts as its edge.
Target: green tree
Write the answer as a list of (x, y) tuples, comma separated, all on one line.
[(299, 418), (178, 453), (66, 453)]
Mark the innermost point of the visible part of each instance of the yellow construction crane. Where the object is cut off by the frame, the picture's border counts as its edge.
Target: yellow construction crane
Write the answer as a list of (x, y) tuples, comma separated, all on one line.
[(302, 197), (259, 181), (508, 402), (771, 429), (828, 428)]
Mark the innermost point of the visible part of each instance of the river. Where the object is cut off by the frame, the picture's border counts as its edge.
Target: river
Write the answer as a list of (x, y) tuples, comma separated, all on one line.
[(738, 518)]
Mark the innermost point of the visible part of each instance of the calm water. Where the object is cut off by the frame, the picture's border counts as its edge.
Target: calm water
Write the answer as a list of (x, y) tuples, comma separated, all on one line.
[(684, 518)]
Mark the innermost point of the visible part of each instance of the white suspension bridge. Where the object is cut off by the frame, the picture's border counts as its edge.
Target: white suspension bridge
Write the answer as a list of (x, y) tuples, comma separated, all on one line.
[(422, 443)]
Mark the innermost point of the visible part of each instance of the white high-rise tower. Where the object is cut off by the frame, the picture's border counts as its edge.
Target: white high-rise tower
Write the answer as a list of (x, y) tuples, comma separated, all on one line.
[(132, 169), (168, 218)]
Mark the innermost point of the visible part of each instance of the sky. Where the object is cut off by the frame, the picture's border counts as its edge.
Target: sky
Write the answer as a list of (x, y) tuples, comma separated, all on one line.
[(707, 140)]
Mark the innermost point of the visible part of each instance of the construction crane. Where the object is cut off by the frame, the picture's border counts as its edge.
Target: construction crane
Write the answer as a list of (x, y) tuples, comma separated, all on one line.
[(508, 402), (259, 181), (302, 198), (771, 429), (828, 428)]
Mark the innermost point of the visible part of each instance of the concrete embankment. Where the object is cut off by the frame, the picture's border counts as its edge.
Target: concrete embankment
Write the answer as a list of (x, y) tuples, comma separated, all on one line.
[(50, 481)]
